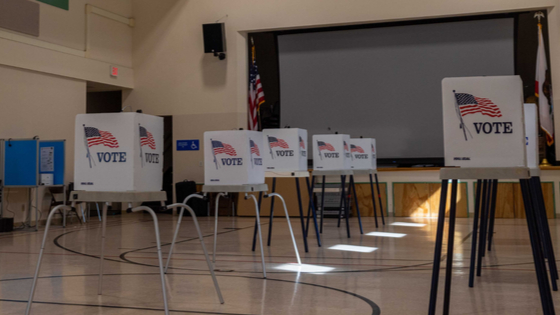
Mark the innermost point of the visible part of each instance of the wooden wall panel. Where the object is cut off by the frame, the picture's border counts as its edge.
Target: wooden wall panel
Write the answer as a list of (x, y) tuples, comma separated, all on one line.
[(365, 202), (422, 199), (548, 193)]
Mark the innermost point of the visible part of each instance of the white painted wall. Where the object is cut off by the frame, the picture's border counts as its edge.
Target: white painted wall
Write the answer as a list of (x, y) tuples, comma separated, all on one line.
[(173, 76)]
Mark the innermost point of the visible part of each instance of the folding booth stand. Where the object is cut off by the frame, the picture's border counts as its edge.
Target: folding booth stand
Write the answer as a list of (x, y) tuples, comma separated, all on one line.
[(107, 198), (296, 175), (535, 223), (371, 173)]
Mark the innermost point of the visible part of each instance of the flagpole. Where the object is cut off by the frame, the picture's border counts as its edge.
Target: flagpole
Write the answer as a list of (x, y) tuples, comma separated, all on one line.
[(318, 148), (269, 148), (87, 146), (214, 154)]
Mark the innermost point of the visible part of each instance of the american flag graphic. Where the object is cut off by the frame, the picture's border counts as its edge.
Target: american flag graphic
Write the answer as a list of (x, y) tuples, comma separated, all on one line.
[(356, 148), (345, 146), (256, 94), (146, 138), (301, 143), (254, 148), (372, 149), (470, 104), (275, 142), (220, 147), (325, 146), (95, 136)]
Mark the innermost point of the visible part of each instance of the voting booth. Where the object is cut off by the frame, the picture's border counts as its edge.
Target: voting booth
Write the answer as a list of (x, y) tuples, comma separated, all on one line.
[(363, 154), (483, 122), (331, 152), (286, 149), (118, 152), (233, 157)]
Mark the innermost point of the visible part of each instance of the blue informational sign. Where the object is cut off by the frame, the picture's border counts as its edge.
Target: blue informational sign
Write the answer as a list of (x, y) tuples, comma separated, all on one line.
[(188, 145)]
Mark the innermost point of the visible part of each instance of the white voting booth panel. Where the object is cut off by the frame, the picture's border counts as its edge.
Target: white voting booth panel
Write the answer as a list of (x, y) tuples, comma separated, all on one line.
[(233, 157), (331, 152), (483, 122), (532, 135), (363, 153), (118, 152), (285, 149)]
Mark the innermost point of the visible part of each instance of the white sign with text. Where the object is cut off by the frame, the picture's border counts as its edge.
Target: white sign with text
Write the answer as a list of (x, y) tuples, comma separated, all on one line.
[(483, 122), (331, 152), (285, 150), (118, 152), (363, 154), (233, 157)]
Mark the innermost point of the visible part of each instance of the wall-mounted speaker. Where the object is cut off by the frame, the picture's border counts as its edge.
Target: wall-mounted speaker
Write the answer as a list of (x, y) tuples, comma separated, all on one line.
[(215, 39)]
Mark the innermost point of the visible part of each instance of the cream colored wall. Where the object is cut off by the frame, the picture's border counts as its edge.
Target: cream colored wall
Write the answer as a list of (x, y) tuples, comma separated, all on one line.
[(36, 104), (43, 79), (75, 44), (174, 77)]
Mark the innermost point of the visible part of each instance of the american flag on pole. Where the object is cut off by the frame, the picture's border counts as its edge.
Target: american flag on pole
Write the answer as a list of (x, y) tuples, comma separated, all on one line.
[(146, 138), (356, 148), (545, 108), (256, 94), (325, 146), (95, 136), (470, 104), (254, 148), (275, 142), (220, 147)]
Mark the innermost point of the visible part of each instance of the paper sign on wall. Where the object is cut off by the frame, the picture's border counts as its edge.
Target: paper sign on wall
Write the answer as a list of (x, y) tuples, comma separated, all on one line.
[(483, 122)]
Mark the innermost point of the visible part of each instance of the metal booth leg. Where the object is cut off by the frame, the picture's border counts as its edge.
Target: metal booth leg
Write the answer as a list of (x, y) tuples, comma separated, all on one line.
[(176, 234), (102, 257), (475, 232), (450, 243), (289, 224), (271, 211), (208, 262), (542, 226), (342, 199), (301, 217), (356, 202), (256, 225), (483, 224), (247, 196), (437, 251), (492, 213), (313, 210), (536, 246), (546, 229), (373, 199), (379, 197), (216, 225), (40, 259), (160, 259), (322, 203)]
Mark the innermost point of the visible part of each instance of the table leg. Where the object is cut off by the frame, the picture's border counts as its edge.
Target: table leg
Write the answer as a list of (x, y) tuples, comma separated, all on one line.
[(379, 197), (216, 226), (322, 203), (257, 211), (301, 216), (475, 232), (373, 199), (437, 251), (271, 212), (450, 243), (356, 202)]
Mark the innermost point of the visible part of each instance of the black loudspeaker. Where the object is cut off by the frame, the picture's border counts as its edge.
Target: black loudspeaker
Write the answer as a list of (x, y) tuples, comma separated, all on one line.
[(215, 39)]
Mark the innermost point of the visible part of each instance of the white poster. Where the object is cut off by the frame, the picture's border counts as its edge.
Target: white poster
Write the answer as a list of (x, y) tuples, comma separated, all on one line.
[(483, 122), (47, 159)]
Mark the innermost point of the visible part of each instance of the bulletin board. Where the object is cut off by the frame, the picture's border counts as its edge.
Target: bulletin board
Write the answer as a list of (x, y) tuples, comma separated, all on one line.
[(21, 162), (52, 159)]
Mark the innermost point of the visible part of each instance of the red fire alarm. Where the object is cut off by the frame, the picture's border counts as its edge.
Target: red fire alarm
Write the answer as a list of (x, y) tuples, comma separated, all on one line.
[(114, 71)]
